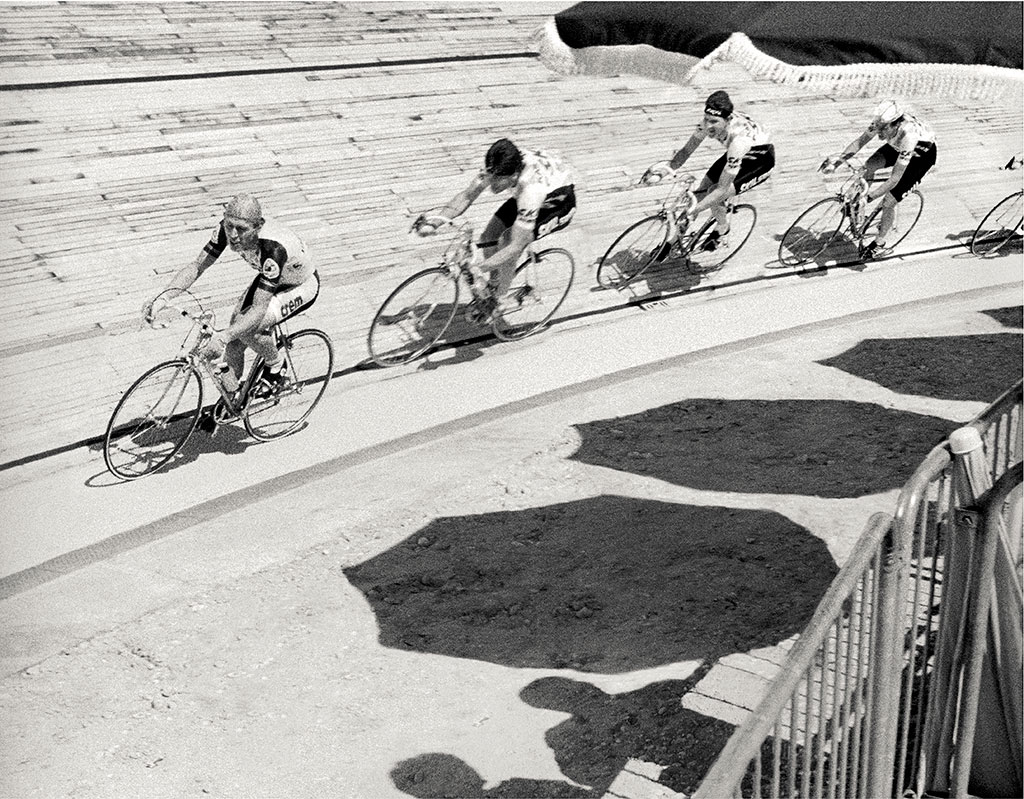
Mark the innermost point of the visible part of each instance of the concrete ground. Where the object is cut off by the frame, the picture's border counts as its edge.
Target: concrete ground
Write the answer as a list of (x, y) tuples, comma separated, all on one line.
[(197, 631)]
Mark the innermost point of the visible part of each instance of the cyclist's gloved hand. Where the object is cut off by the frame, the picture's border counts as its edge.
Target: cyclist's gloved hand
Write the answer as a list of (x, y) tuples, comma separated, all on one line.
[(657, 172), (427, 225), (151, 310), (831, 163)]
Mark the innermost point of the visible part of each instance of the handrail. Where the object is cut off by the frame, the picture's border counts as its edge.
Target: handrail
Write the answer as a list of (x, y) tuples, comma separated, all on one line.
[(720, 780)]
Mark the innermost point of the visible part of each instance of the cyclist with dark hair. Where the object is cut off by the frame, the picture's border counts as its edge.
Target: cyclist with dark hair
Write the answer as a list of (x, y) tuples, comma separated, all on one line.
[(748, 160), (909, 148), (286, 284), (543, 200)]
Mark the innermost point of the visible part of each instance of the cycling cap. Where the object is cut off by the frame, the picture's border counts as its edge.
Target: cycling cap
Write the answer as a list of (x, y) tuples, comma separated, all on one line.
[(718, 104), (886, 112), (244, 206), (503, 158)]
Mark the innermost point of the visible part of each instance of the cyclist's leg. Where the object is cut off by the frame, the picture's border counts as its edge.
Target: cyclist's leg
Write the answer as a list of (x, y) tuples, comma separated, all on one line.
[(916, 169), (494, 233), (234, 352), (286, 303)]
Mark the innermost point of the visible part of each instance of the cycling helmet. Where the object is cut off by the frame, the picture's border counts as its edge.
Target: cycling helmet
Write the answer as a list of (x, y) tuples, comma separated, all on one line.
[(245, 206), (503, 159), (886, 112), (718, 104)]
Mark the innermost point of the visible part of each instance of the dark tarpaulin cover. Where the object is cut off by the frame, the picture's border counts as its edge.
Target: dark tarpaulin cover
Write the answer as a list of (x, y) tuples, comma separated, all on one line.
[(810, 33)]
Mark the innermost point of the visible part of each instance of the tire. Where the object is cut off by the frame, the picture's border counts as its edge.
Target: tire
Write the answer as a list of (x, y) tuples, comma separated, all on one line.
[(539, 287), (906, 218), (741, 224), (153, 420), (632, 252), (1001, 225), (811, 232), (413, 317), (309, 364)]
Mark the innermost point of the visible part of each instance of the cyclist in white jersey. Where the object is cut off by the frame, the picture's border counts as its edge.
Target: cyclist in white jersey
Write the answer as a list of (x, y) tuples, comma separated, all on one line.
[(909, 148), (543, 201), (287, 284), (749, 158)]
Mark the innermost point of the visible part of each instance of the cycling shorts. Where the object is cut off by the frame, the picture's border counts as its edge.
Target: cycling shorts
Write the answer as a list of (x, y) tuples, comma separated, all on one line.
[(555, 212), (754, 168), (916, 169), (286, 302)]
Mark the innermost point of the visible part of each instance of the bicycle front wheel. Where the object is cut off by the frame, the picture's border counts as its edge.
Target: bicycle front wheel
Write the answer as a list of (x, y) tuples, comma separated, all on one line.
[(812, 232), (632, 252), (309, 364), (742, 219), (908, 212), (538, 289), (153, 420), (413, 317), (1000, 225)]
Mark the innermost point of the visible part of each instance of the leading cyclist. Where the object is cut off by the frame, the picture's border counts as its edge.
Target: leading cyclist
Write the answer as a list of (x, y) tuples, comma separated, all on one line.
[(543, 201), (909, 148), (749, 158), (286, 285)]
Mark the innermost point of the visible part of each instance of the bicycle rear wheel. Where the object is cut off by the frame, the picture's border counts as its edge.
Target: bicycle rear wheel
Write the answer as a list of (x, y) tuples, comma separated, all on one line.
[(632, 252), (413, 317), (538, 289), (153, 420), (309, 364), (907, 214), (812, 232), (1001, 225), (742, 219)]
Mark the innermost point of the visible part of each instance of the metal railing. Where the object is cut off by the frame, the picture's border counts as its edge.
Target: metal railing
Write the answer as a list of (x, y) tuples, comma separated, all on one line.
[(859, 696)]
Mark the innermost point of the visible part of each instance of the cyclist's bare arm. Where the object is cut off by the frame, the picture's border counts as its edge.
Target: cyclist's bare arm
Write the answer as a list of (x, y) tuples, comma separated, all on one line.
[(513, 243), (682, 155), (855, 146), (458, 204), (183, 279)]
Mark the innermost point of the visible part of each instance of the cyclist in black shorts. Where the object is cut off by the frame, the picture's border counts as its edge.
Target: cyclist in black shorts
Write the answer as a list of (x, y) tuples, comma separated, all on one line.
[(543, 200), (749, 158), (909, 149)]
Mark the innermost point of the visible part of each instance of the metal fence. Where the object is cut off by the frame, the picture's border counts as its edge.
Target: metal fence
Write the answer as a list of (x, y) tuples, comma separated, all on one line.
[(874, 698)]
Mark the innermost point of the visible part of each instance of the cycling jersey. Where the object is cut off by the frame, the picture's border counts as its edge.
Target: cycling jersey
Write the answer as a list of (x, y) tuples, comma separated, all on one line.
[(542, 174), (281, 257), (738, 136), (909, 138)]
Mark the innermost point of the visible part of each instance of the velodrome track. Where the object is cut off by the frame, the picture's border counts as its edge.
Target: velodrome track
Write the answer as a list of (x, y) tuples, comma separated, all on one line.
[(109, 187)]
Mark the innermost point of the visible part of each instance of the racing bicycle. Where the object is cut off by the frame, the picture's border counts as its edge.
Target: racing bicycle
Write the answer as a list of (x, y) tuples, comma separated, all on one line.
[(417, 313), (819, 226), (1001, 225), (160, 410), (667, 234)]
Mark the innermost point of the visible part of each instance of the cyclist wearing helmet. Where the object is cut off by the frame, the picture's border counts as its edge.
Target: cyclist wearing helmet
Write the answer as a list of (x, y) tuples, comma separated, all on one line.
[(909, 148), (749, 158), (543, 201), (287, 284)]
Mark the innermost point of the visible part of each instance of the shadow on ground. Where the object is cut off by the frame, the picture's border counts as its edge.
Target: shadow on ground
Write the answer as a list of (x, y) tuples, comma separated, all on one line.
[(592, 746), (943, 367), (609, 584), (819, 448)]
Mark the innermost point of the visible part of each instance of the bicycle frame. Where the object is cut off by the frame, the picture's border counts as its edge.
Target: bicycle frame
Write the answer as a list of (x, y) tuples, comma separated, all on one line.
[(852, 193), (194, 357)]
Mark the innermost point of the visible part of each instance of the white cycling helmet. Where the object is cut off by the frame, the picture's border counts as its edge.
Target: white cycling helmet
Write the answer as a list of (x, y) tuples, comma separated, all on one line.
[(886, 112)]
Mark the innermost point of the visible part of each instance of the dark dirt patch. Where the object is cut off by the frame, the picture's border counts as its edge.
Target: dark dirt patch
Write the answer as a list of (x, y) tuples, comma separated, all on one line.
[(947, 367), (807, 447)]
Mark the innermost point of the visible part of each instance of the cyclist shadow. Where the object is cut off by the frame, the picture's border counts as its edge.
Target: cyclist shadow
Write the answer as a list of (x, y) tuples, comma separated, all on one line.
[(462, 342), (840, 252), (671, 275), (230, 439), (1015, 246)]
